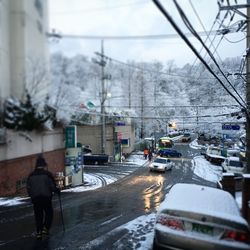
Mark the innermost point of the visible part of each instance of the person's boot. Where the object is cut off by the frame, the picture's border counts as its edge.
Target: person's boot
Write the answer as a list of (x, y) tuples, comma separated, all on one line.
[(39, 235), (45, 231)]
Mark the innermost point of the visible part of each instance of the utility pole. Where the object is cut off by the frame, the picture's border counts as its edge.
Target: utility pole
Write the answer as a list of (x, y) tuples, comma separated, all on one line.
[(102, 63), (142, 105), (103, 130), (236, 9)]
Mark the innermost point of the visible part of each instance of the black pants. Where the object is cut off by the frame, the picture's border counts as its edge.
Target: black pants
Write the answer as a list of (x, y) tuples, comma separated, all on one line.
[(43, 211)]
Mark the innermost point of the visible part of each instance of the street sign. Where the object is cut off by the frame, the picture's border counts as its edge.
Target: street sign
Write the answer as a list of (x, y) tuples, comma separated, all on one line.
[(70, 136), (230, 126)]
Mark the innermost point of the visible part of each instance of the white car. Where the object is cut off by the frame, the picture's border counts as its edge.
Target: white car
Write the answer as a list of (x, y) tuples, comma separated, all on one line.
[(233, 165), (195, 217), (214, 155), (160, 164)]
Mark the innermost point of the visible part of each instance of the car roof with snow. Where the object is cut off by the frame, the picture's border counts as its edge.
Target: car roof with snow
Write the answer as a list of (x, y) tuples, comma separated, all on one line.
[(202, 200)]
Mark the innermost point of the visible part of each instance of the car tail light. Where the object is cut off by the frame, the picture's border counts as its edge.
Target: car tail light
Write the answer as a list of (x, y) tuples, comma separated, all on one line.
[(237, 236), (172, 223)]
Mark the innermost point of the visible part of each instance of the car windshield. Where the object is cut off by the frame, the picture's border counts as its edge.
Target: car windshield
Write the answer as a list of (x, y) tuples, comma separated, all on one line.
[(159, 160), (235, 164), (186, 135)]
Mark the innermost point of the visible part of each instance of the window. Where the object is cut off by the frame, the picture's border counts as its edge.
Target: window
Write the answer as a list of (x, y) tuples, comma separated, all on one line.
[(125, 142)]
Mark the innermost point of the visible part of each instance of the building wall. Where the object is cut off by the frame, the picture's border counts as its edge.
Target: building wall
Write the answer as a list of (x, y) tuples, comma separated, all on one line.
[(24, 60), (127, 132), (91, 135), (18, 155), (4, 51), (20, 144), (14, 172), (23, 44)]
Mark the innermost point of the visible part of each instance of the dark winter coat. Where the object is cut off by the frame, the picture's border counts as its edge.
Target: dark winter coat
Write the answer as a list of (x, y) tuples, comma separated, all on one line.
[(41, 183)]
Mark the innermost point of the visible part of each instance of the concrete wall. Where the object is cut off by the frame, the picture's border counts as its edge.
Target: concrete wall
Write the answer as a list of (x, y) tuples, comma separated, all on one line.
[(18, 155), (4, 51), (19, 144), (91, 135), (14, 172)]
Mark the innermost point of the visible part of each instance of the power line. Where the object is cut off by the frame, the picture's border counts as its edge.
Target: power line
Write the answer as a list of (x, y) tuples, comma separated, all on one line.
[(238, 41), (169, 18), (148, 70), (153, 117), (56, 34), (225, 31), (173, 106), (190, 27), (200, 21)]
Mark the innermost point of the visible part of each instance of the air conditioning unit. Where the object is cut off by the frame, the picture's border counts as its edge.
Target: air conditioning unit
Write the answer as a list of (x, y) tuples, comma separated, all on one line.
[(2, 135), (68, 180)]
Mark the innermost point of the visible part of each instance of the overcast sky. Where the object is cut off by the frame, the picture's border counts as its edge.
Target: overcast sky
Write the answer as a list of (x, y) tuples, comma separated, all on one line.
[(140, 18)]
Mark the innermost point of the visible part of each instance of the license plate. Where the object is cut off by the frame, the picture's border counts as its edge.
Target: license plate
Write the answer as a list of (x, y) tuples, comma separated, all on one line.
[(202, 229)]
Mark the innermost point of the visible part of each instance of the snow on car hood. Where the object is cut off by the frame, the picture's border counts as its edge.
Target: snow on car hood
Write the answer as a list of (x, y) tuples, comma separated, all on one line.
[(202, 200)]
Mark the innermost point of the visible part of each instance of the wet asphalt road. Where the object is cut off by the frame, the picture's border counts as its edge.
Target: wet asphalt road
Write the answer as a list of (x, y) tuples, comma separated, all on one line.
[(90, 214)]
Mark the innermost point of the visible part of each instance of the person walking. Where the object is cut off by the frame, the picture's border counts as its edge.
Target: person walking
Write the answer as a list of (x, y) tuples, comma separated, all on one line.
[(150, 154), (145, 153), (40, 187)]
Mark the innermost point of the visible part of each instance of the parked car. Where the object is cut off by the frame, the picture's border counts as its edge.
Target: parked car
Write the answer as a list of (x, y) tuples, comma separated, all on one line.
[(214, 155), (94, 159), (160, 164), (233, 165), (169, 153), (195, 217), (186, 137)]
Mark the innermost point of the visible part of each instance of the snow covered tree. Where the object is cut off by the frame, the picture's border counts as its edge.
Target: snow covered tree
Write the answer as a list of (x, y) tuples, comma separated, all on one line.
[(23, 115)]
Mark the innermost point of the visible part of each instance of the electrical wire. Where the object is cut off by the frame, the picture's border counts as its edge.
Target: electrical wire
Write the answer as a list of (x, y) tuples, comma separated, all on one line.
[(169, 18), (208, 34), (149, 117), (221, 24), (190, 27), (135, 37), (148, 70), (244, 38)]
